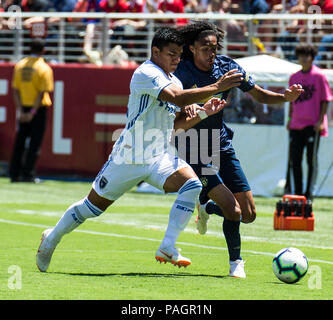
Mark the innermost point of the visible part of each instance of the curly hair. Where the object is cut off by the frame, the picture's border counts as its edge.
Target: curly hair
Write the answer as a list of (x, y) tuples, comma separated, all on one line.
[(197, 31)]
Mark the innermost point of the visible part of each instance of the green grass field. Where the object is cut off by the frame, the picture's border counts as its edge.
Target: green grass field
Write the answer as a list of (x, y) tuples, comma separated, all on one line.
[(112, 257)]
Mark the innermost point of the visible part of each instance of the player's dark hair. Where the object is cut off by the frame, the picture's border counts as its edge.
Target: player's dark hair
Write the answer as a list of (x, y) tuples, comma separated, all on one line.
[(197, 31), (166, 35), (306, 49), (37, 46)]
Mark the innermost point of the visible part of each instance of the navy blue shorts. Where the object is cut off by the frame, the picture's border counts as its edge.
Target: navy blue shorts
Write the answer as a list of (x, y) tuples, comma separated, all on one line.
[(230, 174)]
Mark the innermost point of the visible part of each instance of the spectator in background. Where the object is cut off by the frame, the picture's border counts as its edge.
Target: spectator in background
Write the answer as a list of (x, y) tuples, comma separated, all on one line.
[(114, 6), (34, 5), (289, 32), (219, 6), (81, 6), (198, 6), (191, 6), (136, 6), (325, 47), (3, 21), (88, 6), (172, 6), (259, 7), (235, 28), (93, 6), (6, 4), (255, 6), (288, 41), (325, 5), (151, 6), (124, 29), (62, 5), (129, 26), (307, 118), (32, 82)]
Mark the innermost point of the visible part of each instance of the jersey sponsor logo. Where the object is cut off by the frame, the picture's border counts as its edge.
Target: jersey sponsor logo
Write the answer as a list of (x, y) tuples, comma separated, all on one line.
[(171, 108)]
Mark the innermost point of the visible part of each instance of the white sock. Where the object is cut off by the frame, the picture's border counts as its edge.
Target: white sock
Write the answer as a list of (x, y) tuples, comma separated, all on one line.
[(181, 211), (75, 215)]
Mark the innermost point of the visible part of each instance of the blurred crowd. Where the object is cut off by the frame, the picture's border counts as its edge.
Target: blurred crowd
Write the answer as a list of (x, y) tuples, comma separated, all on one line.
[(175, 6), (222, 6), (288, 34), (236, 30), (274, 37)]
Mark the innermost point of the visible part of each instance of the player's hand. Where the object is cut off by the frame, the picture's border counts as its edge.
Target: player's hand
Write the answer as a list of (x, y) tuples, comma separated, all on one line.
[(293, 92), (191, 110), (231, 79), (214, 105)]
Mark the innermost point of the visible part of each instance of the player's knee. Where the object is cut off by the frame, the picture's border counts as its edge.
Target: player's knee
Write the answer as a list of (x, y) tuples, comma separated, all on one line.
[(191, 188), (249, 216), (234, 213)]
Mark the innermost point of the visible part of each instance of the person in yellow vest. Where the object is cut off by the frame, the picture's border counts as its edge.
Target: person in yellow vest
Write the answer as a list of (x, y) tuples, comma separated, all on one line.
[(32, 82)]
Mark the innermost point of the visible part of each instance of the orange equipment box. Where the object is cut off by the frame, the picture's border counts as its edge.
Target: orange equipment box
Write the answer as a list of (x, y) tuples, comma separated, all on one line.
[(294, 213)]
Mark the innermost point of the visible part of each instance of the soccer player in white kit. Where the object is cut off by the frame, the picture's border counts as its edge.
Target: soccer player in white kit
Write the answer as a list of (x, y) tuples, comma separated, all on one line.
[(143, 151)]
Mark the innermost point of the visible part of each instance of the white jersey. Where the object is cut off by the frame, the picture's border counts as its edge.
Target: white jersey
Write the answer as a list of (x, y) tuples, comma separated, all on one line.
[(150, 121)]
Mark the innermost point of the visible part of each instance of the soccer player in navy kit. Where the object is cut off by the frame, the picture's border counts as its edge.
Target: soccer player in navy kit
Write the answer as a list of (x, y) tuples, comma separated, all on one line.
[(228, 186)]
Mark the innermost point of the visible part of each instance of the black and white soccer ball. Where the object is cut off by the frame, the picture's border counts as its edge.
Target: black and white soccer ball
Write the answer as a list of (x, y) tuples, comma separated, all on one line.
[(290, 265)]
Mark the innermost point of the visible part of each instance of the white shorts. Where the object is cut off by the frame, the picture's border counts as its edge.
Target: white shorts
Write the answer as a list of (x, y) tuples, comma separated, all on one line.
[(116, 179)]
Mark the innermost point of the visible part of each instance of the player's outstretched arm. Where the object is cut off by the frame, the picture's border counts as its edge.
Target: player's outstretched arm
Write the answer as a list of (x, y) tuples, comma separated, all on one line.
[(182, 98), (266, 96)]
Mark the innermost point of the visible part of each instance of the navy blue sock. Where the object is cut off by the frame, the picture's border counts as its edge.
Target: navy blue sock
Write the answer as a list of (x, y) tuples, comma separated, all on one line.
[(230, 230), (213, 208), (232, 237)]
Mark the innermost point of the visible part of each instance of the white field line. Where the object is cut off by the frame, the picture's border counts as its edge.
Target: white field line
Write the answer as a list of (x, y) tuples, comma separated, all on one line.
[(128, 222), (149, 239)]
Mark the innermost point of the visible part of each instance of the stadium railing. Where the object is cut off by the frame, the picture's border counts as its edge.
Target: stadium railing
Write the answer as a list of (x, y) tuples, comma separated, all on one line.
[(69, 39)]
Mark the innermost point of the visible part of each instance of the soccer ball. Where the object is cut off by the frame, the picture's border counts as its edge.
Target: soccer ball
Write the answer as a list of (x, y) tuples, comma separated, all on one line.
[(290, 265)]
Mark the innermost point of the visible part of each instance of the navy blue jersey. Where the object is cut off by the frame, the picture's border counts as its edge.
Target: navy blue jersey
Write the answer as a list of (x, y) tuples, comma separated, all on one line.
[(192, 77)]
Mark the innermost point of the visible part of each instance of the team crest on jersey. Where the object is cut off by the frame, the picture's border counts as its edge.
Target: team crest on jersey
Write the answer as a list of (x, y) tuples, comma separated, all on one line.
[(204, 181), (103, 182)]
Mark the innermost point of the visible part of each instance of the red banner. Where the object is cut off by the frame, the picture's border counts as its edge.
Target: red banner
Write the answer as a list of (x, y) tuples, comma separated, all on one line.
[(89, 105)]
